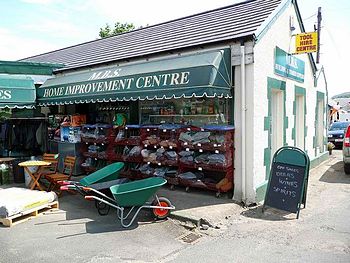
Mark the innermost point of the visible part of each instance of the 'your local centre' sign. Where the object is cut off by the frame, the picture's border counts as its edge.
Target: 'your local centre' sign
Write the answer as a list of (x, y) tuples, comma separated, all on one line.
[(289, 66)]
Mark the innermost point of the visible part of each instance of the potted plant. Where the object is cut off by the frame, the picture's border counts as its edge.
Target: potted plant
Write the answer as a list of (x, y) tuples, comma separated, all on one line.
[(330, 147)]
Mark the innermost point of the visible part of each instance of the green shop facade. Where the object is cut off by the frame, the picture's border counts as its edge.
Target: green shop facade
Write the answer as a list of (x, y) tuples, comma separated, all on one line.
[(196, 84), (18, 111)]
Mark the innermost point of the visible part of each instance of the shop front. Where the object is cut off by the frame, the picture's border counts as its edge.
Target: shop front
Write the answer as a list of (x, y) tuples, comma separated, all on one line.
[(171, 117)]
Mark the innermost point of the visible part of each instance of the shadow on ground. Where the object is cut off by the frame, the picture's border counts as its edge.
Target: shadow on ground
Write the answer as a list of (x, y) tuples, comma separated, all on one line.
[(270, 214), (335, 174)]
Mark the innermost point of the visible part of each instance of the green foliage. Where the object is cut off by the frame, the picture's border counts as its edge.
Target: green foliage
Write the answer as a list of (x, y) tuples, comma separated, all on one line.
[(119, 28)]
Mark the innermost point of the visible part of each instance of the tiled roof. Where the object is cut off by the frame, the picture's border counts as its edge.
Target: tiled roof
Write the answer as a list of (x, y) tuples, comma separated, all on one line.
[(223, 24)]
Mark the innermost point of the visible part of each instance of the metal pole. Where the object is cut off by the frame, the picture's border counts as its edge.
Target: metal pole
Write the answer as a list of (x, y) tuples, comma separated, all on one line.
[(319, 19)]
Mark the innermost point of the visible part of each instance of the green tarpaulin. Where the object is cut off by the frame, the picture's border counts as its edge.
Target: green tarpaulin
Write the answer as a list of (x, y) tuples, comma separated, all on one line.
[(196, 75), (17, 92)]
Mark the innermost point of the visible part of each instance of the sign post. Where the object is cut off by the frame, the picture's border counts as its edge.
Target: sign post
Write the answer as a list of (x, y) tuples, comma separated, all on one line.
[(287, 186)]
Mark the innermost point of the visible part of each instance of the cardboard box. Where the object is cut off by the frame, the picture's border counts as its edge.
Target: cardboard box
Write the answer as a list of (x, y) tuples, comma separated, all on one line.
[(78, 120)]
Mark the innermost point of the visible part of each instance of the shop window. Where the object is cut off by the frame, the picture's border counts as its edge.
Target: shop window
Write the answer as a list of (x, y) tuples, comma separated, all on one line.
[(195, 111)]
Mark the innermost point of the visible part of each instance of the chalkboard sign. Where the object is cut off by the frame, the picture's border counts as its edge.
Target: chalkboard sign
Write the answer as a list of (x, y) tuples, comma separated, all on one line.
[(285, 187), (288, 180)]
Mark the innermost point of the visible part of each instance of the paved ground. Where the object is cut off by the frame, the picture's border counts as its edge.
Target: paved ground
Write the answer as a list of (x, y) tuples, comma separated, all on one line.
[(322, 234), (76, 233)]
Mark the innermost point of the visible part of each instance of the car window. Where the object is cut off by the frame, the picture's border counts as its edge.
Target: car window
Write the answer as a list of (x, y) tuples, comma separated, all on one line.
[(339, 126)]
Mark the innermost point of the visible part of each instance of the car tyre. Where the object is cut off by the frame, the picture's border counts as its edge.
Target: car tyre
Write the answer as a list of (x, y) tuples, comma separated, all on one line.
[(347, 168)]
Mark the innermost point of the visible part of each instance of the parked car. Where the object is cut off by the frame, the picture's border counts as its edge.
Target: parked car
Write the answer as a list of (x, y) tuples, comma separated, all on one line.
[(336, 133), (346, 151)]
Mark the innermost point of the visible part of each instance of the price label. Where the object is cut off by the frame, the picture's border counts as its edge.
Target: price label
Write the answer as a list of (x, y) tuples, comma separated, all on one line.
[(200, 150), (185, 143), (202, 129), (146, 145), (216, 151), (200, 168), (187, 149), (188, 129), (170, 147), (215, 145), (159, 164), (155, 147), (199, 145), (147, 129), (126, 128), (219, 145), (164, 130), (148, 162), (102, 144)]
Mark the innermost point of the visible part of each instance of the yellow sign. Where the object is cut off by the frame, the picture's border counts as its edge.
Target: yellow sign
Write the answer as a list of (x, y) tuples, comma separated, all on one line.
[(306, 43)]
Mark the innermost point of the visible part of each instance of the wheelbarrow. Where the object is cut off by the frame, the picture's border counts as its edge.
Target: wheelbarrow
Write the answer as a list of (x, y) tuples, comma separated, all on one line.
[(129, 198), (101, 180)]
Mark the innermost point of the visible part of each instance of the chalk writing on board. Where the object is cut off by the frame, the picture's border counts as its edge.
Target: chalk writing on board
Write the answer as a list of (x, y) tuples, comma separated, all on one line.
[(285, 186)]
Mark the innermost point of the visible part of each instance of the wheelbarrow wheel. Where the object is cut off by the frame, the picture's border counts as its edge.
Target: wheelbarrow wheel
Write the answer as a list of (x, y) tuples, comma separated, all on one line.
[(102, 208), (160, 213)]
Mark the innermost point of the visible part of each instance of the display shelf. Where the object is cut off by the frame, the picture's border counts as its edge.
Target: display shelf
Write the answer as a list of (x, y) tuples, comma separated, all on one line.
[(163, 163), (210, 154), (208, 167), (197, 119), (128, 141)]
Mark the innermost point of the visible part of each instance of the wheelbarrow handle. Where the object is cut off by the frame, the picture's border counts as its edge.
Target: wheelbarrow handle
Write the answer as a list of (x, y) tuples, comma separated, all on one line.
[(67, 187)]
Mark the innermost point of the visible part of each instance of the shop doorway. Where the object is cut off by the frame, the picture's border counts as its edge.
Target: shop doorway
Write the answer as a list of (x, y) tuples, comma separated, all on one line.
[(300, 121), (277, 113)]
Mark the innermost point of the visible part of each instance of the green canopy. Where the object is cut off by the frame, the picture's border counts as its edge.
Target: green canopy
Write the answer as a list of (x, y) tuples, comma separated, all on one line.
[(196, 75), (17, 92)]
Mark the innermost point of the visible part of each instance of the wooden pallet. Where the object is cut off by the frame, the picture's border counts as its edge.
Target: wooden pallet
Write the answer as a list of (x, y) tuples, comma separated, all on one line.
[(28, 214)]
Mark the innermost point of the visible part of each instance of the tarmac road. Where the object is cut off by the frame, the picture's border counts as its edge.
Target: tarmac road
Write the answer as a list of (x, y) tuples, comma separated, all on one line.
[(76, 233)]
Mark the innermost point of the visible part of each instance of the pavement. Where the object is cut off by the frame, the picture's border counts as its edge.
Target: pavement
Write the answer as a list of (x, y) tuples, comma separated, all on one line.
[(198, 207), (77, 233)]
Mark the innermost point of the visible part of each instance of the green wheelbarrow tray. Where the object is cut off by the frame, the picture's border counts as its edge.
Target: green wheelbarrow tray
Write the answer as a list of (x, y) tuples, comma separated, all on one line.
[(101, 180), (136, 194), (105, 174)]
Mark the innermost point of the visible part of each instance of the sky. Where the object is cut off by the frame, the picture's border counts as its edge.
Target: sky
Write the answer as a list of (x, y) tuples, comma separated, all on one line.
[(31, 27)]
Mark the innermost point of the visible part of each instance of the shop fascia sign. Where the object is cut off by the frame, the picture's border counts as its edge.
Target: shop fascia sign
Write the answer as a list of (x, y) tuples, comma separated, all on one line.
[(306, 43), (111, 81), (14, 94), (289, 66), (5, 94)]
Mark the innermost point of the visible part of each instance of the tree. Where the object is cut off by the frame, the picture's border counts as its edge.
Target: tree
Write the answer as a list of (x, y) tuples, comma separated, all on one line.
[(119, 28)]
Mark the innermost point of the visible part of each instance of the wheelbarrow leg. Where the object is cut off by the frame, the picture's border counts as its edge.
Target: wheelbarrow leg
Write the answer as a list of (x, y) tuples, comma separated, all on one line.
[(132, 219)]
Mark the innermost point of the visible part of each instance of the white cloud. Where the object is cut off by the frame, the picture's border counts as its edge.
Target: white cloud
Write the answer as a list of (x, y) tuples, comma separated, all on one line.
[(53, 28), (45, 2), (14, 47)]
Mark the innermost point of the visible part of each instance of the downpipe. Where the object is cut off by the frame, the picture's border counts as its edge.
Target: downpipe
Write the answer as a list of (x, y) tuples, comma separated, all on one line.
[(243, 123)]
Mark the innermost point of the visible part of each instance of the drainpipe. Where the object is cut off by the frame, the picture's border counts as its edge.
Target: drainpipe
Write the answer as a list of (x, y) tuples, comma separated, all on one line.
[(243, 122)]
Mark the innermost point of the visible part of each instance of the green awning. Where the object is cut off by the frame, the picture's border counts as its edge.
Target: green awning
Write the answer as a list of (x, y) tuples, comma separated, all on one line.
[(196, 75), (17, 92)]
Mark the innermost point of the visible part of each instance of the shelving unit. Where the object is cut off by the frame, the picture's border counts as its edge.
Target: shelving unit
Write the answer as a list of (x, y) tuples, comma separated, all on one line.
[(206, 158), (97, 139), (195, 157)]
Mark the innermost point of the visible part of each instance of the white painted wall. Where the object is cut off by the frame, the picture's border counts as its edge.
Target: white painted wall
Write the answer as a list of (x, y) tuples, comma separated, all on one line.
[(277, 35)]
